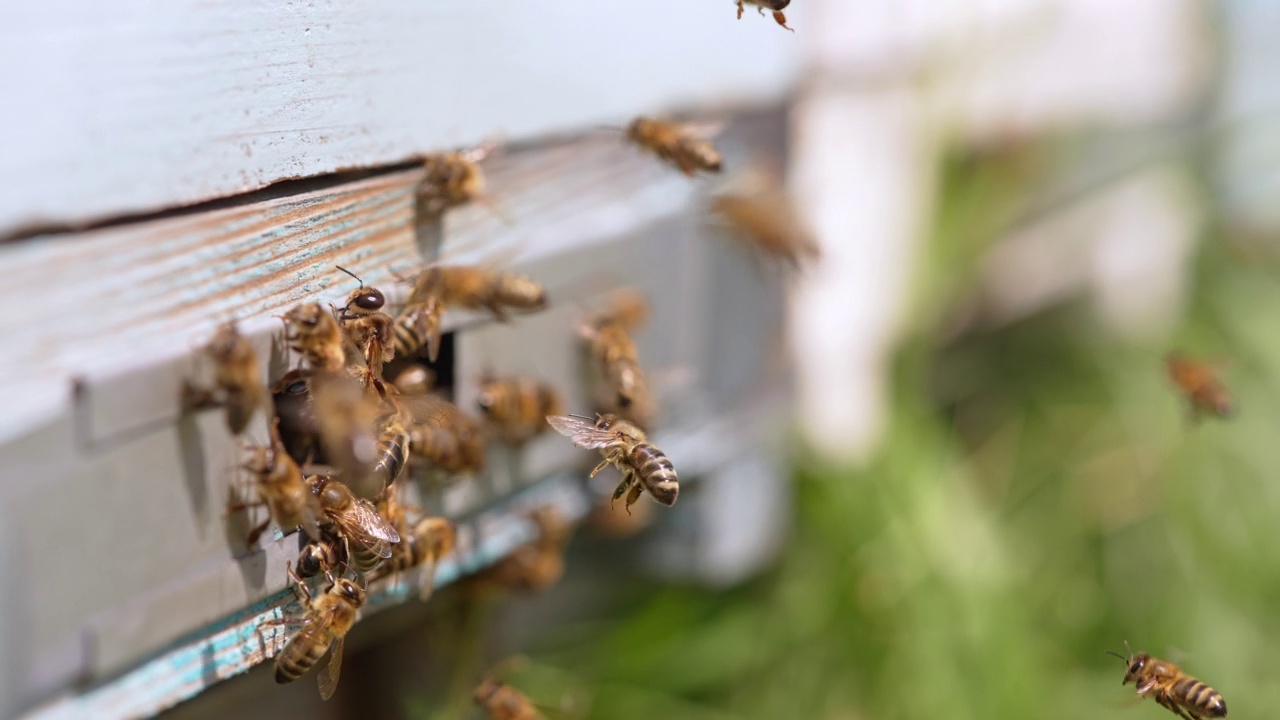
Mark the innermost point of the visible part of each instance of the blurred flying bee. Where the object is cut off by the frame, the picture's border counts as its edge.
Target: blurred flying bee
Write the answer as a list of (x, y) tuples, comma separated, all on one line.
[(418, 327), (348, 420), (430, 539), (623, 445), (281, 487), (326, 623), (776, 6), (517, 407), (765, 217), (675, 144), (503, 702), (1161, 680), (237, 379), (620, 385), (444, 436), (477, 288), (415, 380), (355, 520), (539, 564), (454, 179), (315, 334), (369, 329), (1199, 382), (393, 446)]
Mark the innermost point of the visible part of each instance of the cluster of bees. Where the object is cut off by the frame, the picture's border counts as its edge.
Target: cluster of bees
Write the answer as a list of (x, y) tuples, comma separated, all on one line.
[(359, 409)]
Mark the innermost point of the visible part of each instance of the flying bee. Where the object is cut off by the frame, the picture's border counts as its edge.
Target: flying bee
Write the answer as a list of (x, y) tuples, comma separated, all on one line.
[(766, 218), (621, 386), (623, 445), (775, 6), (418, 327), (369, 329), (326, 623), (445, 437), (1161, 680), (454, 179), (675, 144), (415, 380), (478, 288), (355, 520), (280, 486), (626, 308), (237, 379), (503, 702), (539, 564), (393, 446), (431, 539), (348, 419), (315, 334), (515, 407), (1198, 381)]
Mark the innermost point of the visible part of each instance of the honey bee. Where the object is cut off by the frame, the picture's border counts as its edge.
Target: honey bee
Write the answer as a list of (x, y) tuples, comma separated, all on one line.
[(315, 334), (675, 144), (539, 564), (237, 379), (768, 220), (454, 179), (431, 539), (477, 288), (348, 419), (415, 380), (621, 386), (326, 623), (298, 426), (355, 520), (776, 6), (503, 702), (1199, 383), (623, 445), (393, 446), (418, 327), (515, 407), (330, 552), (1161, 680), (444, 436), (369, 329), (280, 486)]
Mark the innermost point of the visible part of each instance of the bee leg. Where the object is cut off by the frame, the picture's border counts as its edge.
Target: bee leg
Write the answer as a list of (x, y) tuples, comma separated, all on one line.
[(627, 480), (604, 464), (195, 398), (781, 19), (739, 9), (636, 490)]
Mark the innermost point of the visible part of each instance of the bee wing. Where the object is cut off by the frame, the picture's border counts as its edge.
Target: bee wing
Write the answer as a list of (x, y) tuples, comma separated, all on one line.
[(705, 129), (328, 678), (363, 524), (583, 433)]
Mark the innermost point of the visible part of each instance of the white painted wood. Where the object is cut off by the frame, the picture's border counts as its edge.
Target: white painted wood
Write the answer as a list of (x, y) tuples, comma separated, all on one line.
[(139, 105)]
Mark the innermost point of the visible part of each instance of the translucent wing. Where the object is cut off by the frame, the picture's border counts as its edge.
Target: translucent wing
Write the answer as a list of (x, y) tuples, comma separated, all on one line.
[(328, 678), (583, 433), (427, 579), (362, 524)]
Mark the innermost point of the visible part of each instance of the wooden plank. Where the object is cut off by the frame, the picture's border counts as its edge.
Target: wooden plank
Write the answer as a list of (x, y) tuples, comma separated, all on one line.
[(137, 107)]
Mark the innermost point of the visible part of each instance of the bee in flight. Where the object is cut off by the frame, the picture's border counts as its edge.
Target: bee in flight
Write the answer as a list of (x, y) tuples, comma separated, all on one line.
[(430, 539), (619, 382), (1198, 381), (355, 520), (539, 564), (454, 179), (500, 701), (515, 407), (676, 144), (643, 466), (237, 379), (763, 215), (776, 6), (1164, 682), (326, 623), (477, 288)]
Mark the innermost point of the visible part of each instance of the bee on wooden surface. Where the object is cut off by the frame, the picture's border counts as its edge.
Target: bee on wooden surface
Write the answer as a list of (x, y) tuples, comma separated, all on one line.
[(516, 407), (454, 179), (445, 437), (1164, 682), (355, 519), (1198, 381), (237, 379), (477, 288), (676, 144), (503, 702), (329, 553), (281, 487), (539, 564), (623, 445), (418, 327), (326, 623), (765, 217), (774, 6), (369, 328), (315, 334), (621, 387), (348, 420)]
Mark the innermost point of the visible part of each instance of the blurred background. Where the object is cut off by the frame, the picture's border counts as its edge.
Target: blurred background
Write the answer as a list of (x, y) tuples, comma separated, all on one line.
[(1023, 206)]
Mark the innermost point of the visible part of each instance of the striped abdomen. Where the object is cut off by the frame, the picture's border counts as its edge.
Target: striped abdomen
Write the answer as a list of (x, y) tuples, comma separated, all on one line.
[(303, 652), (655, 472), (393, 450), (1195, 695), (416, 328)]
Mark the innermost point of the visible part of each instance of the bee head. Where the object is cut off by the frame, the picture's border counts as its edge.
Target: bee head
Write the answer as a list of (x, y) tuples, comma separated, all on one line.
[(605, 422), (349, 590), (1135, 663)]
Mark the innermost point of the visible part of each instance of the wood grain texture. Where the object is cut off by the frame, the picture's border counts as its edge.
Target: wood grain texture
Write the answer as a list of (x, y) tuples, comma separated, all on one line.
[(142, 106)]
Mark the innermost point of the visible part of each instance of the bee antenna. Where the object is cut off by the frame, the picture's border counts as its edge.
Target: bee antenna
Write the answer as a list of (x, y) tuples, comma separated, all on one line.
[(357, 277), (1113, 652), (581, 417)]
